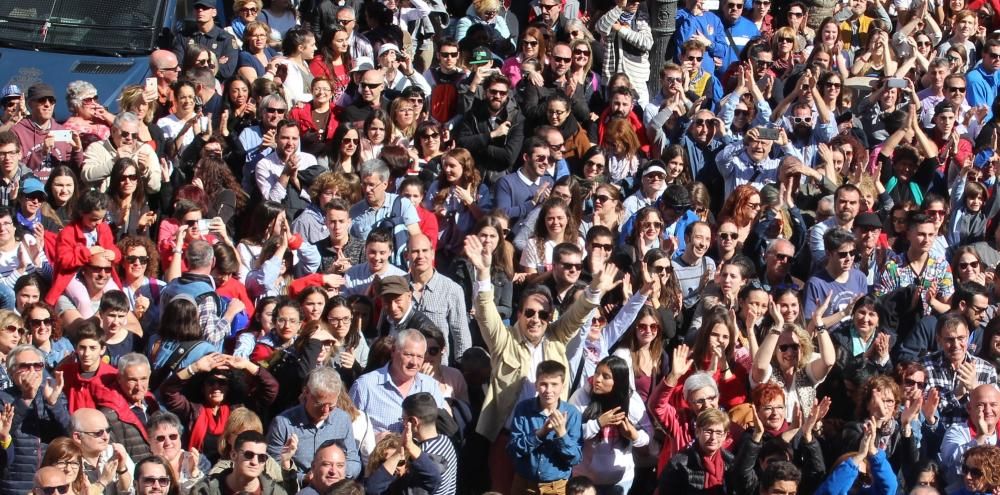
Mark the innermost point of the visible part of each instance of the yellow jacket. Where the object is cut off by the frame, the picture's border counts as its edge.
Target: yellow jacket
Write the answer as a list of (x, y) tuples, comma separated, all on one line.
[(511, 357)]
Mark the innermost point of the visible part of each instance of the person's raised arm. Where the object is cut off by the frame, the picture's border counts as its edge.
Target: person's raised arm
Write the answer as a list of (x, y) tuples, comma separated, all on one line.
[(762, 359)]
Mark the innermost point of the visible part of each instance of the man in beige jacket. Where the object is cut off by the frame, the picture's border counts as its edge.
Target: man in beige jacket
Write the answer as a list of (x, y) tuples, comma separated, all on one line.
[(100, 156)]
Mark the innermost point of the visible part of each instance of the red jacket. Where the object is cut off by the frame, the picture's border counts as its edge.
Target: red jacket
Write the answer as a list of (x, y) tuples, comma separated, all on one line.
[(90, 392), (233, 289), (640, 130), (72, 254), (303, 115)]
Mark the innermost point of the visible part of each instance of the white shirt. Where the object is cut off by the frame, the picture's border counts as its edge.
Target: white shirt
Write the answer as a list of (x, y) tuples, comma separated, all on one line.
[(268, 171)]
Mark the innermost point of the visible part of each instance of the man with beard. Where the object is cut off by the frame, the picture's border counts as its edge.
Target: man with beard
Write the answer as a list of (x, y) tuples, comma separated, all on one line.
[(533, 99), (380, 393), (953, 149), (971, 301), (931, 277), (693, 269), (622, 106), (955, 373), (809, 131), (837, 282), (285, 176), (493, 130), (370, 91), (260, 140), (749, 161), (847, 204)]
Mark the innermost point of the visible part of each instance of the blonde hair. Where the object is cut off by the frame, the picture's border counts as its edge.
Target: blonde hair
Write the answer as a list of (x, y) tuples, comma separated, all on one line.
[(712, 416), (240, 419), (390, 442), (805, 345), (8, 318), (483, 5), (131, 98)]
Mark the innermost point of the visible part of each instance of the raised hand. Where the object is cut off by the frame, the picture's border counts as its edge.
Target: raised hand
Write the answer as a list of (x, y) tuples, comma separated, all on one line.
[(6, 420), (288, 450), (475, 252), (605, 279), (53, 387), (681, 361)]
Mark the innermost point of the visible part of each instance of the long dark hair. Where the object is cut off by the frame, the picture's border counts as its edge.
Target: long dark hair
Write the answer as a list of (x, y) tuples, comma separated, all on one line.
[(115, 186), (63, 171), (620, 393), (179, 321), (353, 337)]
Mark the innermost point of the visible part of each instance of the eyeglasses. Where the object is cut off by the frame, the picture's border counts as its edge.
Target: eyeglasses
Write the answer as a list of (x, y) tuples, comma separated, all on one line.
[(287, 321), (913, 383), (972, 472), (142, 260), (98, 433), (788, 347), (448, 54), (35, 323), (248, 10), (802, 120), (994, 55), (130, 178), (770, 409), (753, 206), (606, 247), (542, 314), (9, 154), (572, 266), (52, 490), (152, 480), (728, 236), (163, 438), (962, 265), (647, 327), (339, 321), (705, 400), (249, 456), (126, 135), (37, 366), (651, 225), (175, 68), (433, 351), (692, 58), (66, 464)]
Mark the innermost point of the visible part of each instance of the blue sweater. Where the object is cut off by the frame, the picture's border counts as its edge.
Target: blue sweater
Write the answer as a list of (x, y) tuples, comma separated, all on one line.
[(840, 481), (742, 32), (548, 459), (513, 196), (982, 88), (710, 26)]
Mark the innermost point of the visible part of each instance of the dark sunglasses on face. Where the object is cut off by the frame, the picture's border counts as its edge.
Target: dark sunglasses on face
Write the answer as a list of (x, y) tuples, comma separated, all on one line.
[(274, 110), (600, 198), (564, 60), (152, 480), (130, 177), (53, 490), (959, 89), (142, 260), (35, 322), (542, 314), (529, 43), (788, 347), (431, 135), (660, 270), (606, 247), (692, 58), (913, 383), (14, 329), (728, 236), (973, 472), (847, 254), (448, 54), (126, 135), (577, 51), (968, 264), (99, 269), (572, 266), (261, 458), (371, 86), (162, 438)]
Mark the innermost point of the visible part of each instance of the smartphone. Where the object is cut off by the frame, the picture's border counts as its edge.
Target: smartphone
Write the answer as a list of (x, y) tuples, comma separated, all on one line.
[(897, 82), (203, 123), (203, 226), (198, 104), (150, 84), (768, 133), (62, 136)]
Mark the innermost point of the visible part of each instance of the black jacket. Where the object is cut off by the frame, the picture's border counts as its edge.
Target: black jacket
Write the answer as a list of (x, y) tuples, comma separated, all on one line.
[(416, 320), (685, 474), (491, 154)]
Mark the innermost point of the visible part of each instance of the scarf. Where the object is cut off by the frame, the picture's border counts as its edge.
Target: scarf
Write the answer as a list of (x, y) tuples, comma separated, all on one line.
[(207, 424), (29, 223), (238, 26), (715, 469), (972, 429)]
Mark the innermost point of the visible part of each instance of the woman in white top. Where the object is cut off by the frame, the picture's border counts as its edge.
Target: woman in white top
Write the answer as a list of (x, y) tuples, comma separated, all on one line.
[(180, 127), (555, 225), (299, 47)]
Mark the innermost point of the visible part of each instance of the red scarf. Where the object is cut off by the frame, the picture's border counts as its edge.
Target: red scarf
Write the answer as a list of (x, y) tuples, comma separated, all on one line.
[(207, 424), (715, 470), (972, 428)]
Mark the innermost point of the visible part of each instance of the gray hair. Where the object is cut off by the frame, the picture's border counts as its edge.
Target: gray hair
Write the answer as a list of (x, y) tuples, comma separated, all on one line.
[(698, 381), (199, 254), (164, 418), (126, 118), (18, 351), (939, 62), (132, 359), (267, 101), (347, 9), (76, 92), (324, 380), (409, 334), (374, 166)]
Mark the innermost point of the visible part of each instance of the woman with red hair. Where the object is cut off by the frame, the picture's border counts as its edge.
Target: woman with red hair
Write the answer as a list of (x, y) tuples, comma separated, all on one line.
[(742, 208)]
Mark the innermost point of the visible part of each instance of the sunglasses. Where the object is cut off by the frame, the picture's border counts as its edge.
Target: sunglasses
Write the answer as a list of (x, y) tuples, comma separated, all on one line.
[(788, 347), (923, 43), (162, 438), (974, 472), (692, 58), (351, 140), (802, 120), (702, 121), (344, 22), (741, 113), (35, 323), (847, 254), (572, 266), (606, 247), (274, 110), (934, 213), (431, 135), (968, 264), (660, 270), (448, 54), (782, 257), (496, 92), (958, 89), (152, 480), (543, 315), (796, 14), (98, 433), (248, 10), (599, 320), (130, 177), (728, 236), (913, 383), (786, 40), (600, 198), (764, 63), (577, 51), (564, 60), (644, 327), (126, 135), (654, 225), (832, 85), (261, 458), (14, 329), (30, 366), (52, 490), (529, 43), (142, 260)]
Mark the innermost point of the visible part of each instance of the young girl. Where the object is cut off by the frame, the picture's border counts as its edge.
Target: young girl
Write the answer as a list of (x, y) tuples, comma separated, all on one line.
[(87, 235), (972, 208), (615, 421)]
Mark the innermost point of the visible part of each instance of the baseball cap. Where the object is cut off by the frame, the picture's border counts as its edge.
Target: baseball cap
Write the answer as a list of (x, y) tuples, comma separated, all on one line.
[(38, 91), (944, 106), (868, 220), (480, 56), (208, 4), (363, 63), (32, 185), (386, 47), (393, 285), (10, 91), (983, 158), (653, 167)]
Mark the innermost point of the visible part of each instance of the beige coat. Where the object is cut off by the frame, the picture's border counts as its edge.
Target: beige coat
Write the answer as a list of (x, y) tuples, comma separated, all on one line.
[(100, 157)]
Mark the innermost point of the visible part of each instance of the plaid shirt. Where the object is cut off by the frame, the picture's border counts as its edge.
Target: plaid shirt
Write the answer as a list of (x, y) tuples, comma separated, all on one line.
[(940, 375), (443, 302)]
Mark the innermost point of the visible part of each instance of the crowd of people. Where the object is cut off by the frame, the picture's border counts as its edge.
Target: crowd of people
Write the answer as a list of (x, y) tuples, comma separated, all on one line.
[(549, 247)]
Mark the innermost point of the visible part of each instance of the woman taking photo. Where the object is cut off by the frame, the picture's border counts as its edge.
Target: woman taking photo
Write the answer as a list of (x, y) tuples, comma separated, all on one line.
[(555, 225), (333, 62), (317, 123), (133, 100), (458, 197), (128, 211), (46, 333), (256, 57), (615, 422)]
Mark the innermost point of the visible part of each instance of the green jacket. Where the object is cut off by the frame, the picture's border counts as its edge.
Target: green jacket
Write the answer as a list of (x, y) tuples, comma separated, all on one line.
[(213, 485)]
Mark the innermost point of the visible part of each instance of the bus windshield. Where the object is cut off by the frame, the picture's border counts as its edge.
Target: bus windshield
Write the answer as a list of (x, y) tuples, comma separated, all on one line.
[(107, 27)]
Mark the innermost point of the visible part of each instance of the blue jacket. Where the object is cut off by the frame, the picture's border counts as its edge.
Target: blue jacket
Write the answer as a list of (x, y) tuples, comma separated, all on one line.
[(34, 426), (710, 26), (549, 459), (842, 478), (982, 88), (742, 32)]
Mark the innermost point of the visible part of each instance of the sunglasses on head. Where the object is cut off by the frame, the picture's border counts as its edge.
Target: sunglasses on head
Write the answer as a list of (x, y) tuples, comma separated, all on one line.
[(543, 315)]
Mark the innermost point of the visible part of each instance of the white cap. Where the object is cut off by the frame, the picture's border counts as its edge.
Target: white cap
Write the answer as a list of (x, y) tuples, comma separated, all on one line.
[(654, 168), (387, 47), (363, 63)]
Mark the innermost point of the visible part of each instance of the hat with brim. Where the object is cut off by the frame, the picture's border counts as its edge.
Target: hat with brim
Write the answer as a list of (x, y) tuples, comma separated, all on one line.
[(481, 56), (39, 91), (362, 64), (868, 221), (393, 285)]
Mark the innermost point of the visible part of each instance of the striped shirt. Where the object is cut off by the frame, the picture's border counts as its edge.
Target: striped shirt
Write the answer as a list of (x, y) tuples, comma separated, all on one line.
[(690, 276), (443, 453)]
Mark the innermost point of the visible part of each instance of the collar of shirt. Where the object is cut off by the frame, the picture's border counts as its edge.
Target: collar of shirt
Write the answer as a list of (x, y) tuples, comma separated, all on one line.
[(526, 180), (406, 315)]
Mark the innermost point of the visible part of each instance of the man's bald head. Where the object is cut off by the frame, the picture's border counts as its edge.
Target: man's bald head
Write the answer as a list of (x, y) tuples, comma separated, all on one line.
[(985, 393), (88, 419), (163, 65), (50, 477)]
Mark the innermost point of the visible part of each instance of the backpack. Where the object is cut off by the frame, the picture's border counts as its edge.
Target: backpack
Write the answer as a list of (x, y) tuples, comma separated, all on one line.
[(159, 375), (400, 235)]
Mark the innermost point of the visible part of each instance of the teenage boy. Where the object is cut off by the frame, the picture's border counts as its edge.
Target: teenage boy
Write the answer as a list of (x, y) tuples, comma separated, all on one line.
[(83, 374), (114, 313), (420, 410), (545, 435)]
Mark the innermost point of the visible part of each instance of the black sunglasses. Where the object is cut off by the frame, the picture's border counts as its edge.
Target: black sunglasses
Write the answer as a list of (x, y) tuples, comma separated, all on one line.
[(261, 458), (542, 314)]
